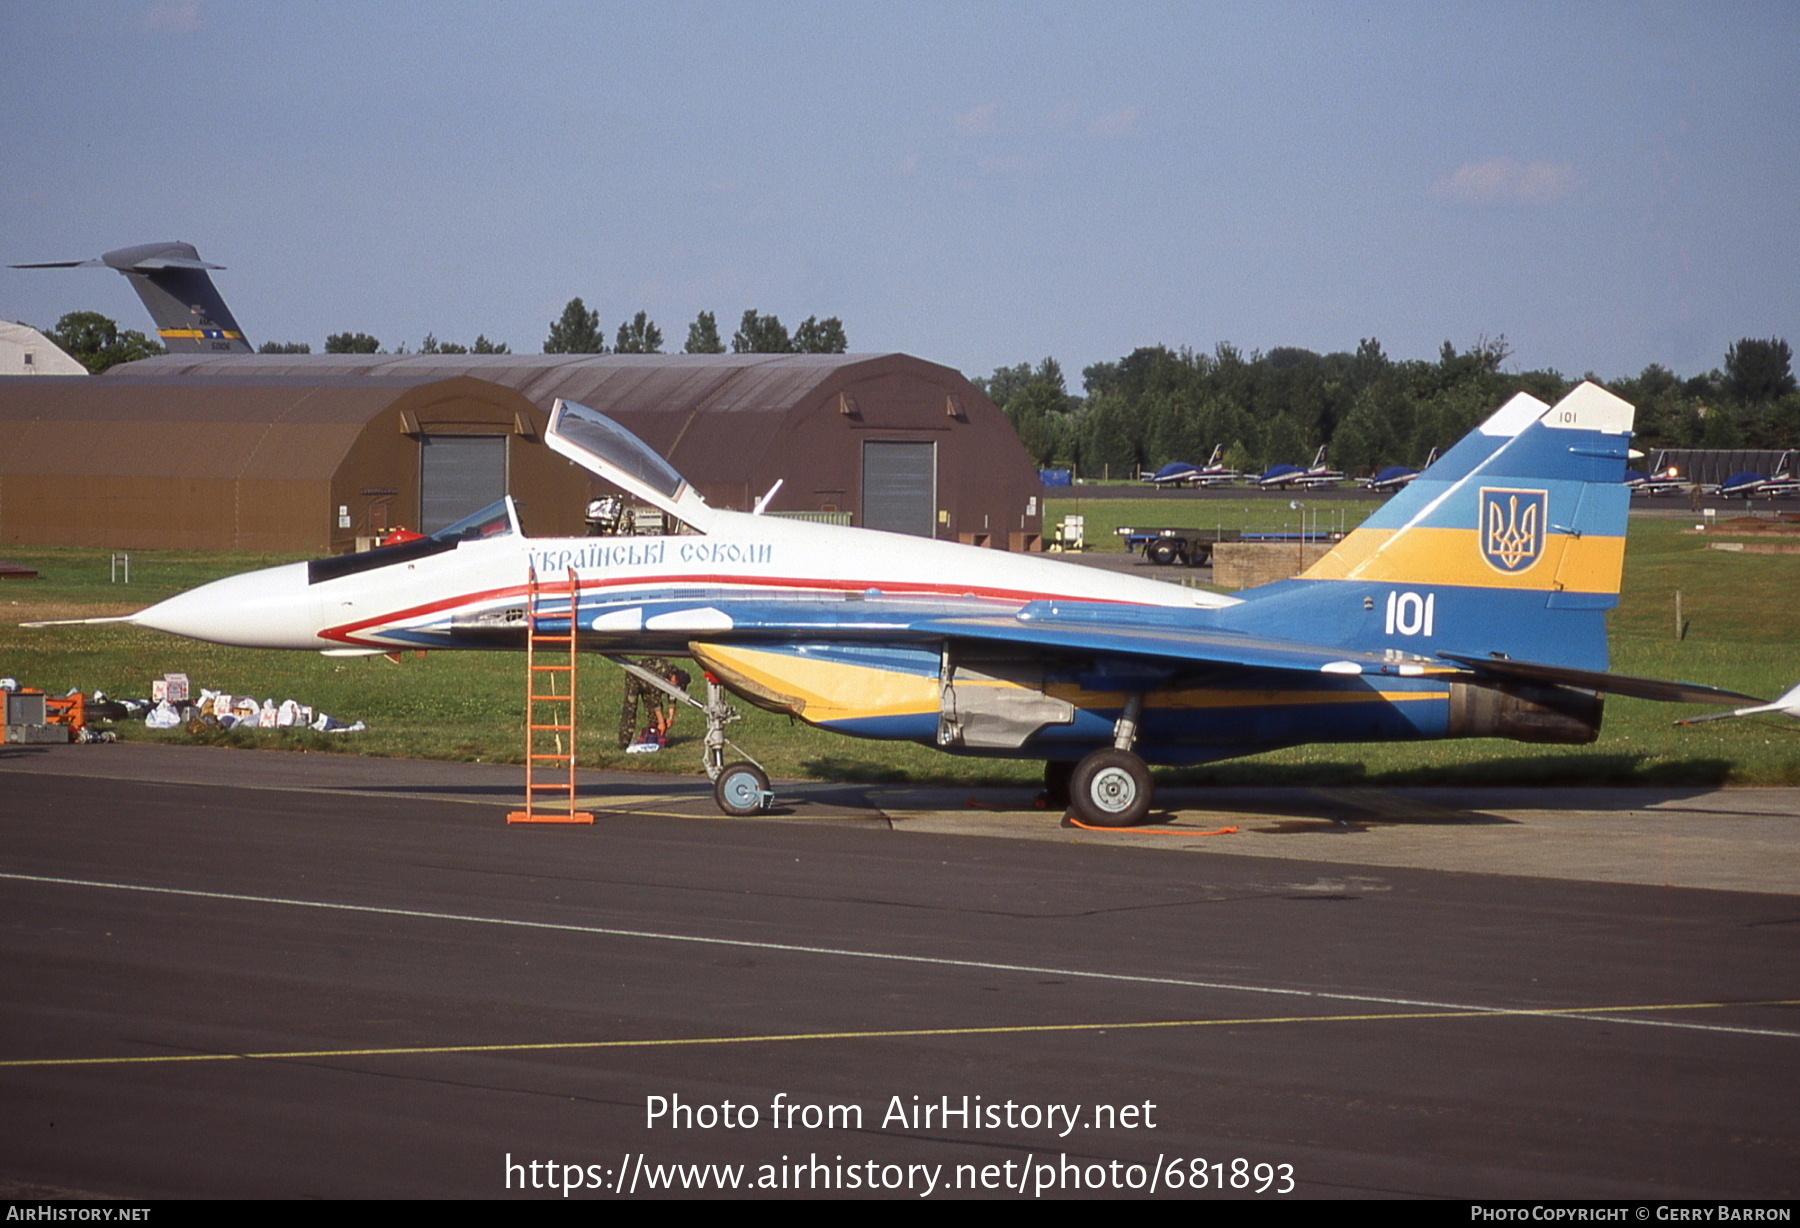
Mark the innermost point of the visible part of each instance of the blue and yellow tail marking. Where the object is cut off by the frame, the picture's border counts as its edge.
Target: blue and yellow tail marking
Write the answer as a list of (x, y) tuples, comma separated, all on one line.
[(1513, 542)]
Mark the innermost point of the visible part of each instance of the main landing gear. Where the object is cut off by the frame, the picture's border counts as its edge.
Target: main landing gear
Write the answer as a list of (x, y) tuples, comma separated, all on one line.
[(1111, 787)]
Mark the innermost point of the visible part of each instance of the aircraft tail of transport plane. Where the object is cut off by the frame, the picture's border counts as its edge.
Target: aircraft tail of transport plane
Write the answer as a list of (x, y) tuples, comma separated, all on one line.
[(171, 279), (1472, 604)]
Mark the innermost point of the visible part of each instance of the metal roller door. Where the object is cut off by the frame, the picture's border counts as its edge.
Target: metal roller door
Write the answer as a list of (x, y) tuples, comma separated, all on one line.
[(899, 490), (458, 474)]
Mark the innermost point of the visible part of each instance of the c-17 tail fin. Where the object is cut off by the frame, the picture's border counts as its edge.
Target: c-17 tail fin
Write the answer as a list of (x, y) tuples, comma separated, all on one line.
[(171, 279)]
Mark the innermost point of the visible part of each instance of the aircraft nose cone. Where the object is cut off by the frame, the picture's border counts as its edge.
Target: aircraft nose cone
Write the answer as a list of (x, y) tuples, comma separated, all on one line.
[(274, 608)]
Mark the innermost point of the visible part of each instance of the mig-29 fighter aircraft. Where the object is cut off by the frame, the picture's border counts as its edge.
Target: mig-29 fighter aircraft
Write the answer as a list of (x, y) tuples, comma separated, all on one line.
[(1473, 604)]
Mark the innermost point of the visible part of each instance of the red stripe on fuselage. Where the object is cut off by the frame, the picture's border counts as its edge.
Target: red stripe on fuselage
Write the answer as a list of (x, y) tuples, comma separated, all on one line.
[(346, 633)]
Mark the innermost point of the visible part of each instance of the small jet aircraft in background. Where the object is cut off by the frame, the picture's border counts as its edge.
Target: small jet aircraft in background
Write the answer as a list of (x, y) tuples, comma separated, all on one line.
[(1316, 476), (1183, 473), (1664, 481), (1783, 484), (171, 279), (1396, 476), (1472, 604)]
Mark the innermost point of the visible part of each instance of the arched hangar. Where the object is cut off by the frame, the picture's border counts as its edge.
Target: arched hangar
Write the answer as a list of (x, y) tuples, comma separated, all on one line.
[(310, 452)]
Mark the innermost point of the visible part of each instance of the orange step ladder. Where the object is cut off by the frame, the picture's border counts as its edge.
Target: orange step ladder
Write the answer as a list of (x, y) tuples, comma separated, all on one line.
[(546, 711)]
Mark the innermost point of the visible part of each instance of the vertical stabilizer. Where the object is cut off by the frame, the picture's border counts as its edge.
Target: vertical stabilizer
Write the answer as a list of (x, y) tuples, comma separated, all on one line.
[(171, 279), (1512, 543)]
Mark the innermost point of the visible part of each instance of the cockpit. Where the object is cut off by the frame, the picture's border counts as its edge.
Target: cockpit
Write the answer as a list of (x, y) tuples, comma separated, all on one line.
[(498, 519), (607, 441), (491, 523)]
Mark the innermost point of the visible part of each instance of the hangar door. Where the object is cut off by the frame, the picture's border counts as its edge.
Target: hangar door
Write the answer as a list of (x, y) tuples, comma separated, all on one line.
[(458, 474), (899, 488)]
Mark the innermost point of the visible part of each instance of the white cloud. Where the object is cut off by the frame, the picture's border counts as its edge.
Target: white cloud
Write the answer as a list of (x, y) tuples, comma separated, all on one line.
[(178, 16), (984, 118), (1507, 181), (1115, 123)]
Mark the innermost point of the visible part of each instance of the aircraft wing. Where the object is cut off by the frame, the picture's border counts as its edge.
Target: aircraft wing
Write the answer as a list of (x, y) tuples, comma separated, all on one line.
[(1064, 628), (1059, 628)]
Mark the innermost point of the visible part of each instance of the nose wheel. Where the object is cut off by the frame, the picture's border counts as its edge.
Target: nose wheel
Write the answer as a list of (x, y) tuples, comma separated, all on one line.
[(742, 789), (1111, 788)]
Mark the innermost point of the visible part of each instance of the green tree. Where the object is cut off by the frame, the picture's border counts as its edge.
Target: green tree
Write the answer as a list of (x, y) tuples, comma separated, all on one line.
[(759, 334), (1004, 382), (431, 345), (639, 335), (1040, 409), (97, 343), (352, 343), (577, 332), (284, 347), (816, 336), (1109, 436), (703, 335), (1759, 371)]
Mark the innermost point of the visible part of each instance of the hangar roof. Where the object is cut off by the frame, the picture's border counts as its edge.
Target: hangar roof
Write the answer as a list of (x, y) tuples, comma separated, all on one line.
[(237, 426), (746, 400), (625, 383)]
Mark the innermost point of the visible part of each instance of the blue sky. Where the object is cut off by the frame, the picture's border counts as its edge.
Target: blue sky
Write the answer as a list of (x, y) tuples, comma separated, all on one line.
[(1607, 185)]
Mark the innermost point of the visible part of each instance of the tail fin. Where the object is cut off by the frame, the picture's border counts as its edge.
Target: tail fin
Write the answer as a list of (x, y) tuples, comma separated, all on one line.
[(171, 279), (1513, 543)]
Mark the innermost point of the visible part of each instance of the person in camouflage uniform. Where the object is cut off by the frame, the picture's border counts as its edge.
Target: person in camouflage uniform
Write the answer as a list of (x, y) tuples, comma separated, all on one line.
[(659, 708)]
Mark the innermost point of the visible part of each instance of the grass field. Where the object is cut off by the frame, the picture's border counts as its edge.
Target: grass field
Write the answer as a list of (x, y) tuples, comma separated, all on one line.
[(1254, 514), (1743, 632)]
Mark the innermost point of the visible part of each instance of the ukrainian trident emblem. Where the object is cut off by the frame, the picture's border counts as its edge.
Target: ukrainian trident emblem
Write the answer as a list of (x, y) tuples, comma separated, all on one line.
[(1512, 527)]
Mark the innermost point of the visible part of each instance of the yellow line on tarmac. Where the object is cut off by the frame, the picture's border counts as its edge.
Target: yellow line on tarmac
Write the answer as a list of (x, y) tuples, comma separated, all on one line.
[(899, 1033)]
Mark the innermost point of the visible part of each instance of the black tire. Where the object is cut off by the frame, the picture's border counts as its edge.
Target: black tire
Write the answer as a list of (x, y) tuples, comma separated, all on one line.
[(740, 789), (1111, 788), (1200, 555), (1057, 775), (1163, 553)]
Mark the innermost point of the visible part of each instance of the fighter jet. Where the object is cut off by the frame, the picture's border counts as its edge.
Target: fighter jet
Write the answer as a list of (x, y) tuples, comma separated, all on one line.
[(1472, 604), (171, 279), (1664, 481), (1396, 476), (1184, 473), (1315, 476), (1748, 485)]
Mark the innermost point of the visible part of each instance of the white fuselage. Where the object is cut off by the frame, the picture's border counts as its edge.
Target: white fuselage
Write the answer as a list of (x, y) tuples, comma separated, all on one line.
[(699, 578)]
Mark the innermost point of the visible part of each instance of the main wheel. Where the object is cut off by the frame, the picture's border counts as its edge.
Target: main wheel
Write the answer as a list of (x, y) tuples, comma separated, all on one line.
[(1163, 553), (1111, 788), (740, 789), (1057, 775)]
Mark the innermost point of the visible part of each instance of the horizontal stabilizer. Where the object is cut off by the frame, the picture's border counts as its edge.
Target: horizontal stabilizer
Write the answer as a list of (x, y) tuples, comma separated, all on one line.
[(1599, 680), (1787, 705)]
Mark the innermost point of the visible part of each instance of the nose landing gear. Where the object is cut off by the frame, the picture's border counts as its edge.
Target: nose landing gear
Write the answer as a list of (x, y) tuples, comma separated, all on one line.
[(740, 788)]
